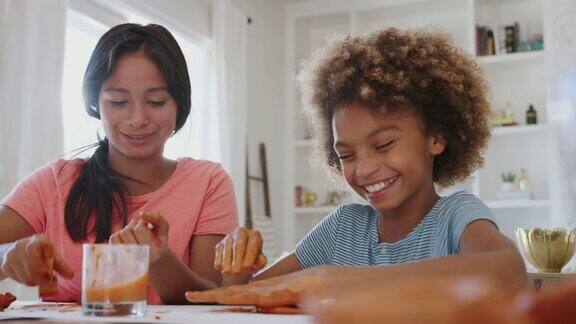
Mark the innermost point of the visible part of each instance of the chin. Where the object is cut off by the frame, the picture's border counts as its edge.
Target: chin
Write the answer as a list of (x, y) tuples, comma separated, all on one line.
[(387, 203), (139, 154), (384, 207)]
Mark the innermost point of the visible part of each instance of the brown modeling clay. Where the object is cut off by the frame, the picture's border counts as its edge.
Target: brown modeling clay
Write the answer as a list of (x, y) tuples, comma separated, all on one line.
[(269, 293), (6, 300)]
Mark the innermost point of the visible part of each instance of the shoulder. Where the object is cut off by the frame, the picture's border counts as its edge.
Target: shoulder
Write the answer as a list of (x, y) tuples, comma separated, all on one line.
[(58, 171), (461, 196), (355, 210), (200, 167), (461, 201), (352, 215), (196, 174), (344, 220), (462, 208), (48, 182)]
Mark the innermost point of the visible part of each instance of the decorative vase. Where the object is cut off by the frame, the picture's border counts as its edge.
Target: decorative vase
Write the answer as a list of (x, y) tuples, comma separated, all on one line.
[(524, 183), (507, 186), (547, 250)]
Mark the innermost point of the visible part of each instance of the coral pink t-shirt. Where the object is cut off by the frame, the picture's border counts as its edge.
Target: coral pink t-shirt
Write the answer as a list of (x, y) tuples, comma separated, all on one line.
[(197, 199)]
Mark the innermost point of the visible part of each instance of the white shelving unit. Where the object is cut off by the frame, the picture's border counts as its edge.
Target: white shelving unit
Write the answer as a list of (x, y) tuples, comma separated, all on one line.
[(518, 78), (520, 130), (523, 203), (522, 58)]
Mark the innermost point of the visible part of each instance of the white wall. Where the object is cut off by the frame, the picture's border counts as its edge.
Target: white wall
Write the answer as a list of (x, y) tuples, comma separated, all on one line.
[(189, 17), (266, 100)]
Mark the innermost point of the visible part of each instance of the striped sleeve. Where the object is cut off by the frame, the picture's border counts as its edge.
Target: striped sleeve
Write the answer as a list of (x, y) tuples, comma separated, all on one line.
[(467, 208), (317, 247)]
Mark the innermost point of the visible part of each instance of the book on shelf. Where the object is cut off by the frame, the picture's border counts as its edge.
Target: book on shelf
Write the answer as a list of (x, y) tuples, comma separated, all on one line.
[(500, 40), (485, 41), (505, 39), (490, 46), (510, 42)]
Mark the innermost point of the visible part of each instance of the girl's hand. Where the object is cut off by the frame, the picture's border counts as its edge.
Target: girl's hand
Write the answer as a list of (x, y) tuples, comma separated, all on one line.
[(33, 260), (287, 290), (150, 229), (240, 253)]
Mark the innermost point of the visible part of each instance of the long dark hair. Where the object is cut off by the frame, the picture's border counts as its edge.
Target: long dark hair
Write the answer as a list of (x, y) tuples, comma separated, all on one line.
[(99, 190)]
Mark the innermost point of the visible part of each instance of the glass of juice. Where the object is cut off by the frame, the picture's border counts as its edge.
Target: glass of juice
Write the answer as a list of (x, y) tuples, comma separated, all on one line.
[(114, 279)]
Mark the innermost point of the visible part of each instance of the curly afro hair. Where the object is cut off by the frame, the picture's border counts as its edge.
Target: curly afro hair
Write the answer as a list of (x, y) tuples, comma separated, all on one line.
[(418, 70)]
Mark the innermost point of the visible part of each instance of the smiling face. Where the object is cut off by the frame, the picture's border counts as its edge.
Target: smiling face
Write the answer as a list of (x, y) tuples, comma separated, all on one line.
[(138, 113), (386, 157)]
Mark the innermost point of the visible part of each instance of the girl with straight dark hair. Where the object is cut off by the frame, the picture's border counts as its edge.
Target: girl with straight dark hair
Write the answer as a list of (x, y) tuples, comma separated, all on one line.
[(127, 192)]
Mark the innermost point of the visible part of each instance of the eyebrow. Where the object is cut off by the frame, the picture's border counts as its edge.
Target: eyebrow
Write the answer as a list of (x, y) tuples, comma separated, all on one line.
[(122, 90), (163, 88), (116, 90), (372, 133)]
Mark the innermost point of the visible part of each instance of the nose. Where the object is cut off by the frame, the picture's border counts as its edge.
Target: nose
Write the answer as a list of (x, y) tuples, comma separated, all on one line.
[(138, 116), (366, 166)]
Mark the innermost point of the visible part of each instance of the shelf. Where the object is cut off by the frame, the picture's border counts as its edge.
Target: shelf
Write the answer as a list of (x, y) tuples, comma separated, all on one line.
[(518, 130), (314, 210), (495, 131), (523, 203), (512, 59), (303, 143), (498, 2)]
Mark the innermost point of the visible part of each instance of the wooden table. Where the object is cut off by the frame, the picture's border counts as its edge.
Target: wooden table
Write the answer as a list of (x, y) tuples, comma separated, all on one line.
[(39, 312)]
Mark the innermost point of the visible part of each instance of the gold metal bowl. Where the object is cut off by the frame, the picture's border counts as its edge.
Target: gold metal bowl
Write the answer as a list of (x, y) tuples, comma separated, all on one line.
[(547, 250)]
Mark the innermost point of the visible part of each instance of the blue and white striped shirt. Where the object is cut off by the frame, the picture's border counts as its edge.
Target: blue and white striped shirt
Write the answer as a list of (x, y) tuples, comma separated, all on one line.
[(349, 235)]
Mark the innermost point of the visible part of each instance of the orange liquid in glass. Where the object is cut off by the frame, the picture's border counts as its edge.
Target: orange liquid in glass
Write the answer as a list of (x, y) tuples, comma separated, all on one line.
[(133, 291)]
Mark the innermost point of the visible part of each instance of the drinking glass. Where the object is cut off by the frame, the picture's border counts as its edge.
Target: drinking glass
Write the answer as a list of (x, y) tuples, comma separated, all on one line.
[(114, 279)]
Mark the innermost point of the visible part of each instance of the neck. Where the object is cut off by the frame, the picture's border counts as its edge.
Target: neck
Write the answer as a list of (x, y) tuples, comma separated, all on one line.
[(398, 223), (144, 175)]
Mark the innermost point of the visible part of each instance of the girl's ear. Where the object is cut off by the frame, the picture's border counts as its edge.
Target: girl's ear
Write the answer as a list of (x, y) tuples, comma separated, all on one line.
[(437, 144)]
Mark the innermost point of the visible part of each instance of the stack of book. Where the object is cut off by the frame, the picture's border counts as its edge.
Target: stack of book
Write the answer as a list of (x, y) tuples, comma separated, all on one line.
[(506, 39)]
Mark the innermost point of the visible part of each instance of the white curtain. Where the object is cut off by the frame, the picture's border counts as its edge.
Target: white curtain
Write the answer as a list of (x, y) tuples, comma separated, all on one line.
[(31, 59), (229, 26)]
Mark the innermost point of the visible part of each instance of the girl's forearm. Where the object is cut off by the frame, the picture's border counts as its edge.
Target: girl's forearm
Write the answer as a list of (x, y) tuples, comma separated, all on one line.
[(504, 266), (171, 278)]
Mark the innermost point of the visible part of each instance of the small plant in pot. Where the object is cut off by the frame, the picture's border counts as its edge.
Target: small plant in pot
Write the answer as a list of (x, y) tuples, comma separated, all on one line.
[(508, 181)]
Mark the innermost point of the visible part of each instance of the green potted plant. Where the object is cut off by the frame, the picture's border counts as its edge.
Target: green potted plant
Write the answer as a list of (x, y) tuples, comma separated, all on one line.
[(508, 181)]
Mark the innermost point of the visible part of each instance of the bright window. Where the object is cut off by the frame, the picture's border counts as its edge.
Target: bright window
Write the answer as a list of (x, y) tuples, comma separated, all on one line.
[(82, 34), (199, 134)]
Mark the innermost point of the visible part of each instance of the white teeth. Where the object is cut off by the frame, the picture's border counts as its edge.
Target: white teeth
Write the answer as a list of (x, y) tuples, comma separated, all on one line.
[(375, 187), (380, 185), (138, 137)]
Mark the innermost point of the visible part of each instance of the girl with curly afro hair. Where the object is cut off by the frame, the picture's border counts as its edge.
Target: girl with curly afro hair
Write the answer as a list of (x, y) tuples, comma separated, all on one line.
[(395, 113)]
